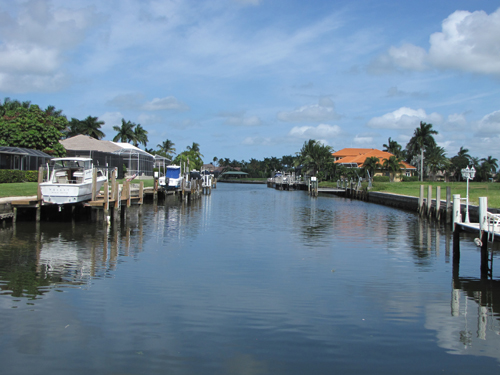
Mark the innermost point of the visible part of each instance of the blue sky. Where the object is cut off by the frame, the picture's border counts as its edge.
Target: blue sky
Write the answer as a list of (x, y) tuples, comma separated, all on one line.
[(257, 78)]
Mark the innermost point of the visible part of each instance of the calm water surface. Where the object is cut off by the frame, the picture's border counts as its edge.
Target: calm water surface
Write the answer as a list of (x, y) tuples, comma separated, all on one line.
[(248, 280)]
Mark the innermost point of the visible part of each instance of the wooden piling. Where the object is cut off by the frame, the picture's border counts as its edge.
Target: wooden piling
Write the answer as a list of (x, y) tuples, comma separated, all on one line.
[(421, 200), (448, 204), (485, 269), (429, 201), (438, 202)]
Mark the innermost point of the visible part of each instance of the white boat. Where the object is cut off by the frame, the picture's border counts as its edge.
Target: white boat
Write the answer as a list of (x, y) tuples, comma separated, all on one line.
[(70, 181), (172, 179)]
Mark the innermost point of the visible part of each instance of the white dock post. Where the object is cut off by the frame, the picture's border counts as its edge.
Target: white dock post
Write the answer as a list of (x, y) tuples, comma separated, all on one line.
[(457, 217), (483, 213), (429, 200)]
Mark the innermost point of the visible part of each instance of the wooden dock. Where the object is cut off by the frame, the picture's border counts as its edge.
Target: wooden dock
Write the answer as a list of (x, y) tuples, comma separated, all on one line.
[(111, 202)]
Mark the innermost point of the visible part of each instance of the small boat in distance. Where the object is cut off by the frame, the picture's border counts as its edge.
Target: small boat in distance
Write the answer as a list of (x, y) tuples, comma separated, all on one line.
[(70, 181), (172, 179)]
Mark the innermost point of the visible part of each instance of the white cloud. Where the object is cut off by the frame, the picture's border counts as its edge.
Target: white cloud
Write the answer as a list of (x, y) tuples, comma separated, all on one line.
[(252, 141), (111, 119), (323, 111), (468, 41), (34, 44), (363, 140), (21, 83), (488, 125), (243, 121), (311, 132), (408, 56), (168, 103), (147, 119), (404, 118)]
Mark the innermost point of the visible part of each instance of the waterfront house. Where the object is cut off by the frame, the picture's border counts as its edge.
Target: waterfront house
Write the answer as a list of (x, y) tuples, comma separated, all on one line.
[(24, 159), (111, 154), (355, 158)]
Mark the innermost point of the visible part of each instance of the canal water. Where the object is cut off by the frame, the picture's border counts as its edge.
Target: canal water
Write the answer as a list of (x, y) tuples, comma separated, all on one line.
[(248, 280)]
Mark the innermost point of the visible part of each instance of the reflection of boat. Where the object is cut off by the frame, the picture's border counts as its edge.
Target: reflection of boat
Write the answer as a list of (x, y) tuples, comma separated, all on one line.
[(71, 181), (172, 179)]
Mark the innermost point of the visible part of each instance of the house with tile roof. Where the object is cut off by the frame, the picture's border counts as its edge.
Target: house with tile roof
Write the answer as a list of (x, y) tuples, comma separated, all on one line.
[(355, 158)]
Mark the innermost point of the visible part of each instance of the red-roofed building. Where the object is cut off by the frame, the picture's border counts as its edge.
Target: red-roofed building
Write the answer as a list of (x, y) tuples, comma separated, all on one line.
[(355, 157)]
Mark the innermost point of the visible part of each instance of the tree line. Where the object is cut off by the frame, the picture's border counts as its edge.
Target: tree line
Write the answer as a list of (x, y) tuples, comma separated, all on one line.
[(422, 151), (23, 124)]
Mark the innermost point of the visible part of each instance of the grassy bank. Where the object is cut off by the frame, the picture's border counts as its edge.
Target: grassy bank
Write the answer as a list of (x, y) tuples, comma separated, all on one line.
[(22, 189), (476, 190)]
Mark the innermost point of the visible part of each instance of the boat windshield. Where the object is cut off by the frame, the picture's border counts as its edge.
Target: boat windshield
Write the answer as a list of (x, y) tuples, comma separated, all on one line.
[(72, 164)]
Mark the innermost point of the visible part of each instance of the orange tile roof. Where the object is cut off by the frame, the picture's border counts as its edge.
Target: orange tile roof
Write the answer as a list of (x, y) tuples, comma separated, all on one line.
[(359, 155)]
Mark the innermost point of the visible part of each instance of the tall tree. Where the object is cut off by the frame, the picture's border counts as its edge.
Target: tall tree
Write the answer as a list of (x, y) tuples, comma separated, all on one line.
[(91, 126), (125, 132), (394, 148), (371, 164), (168, 148), (314, 156), (140, 136), (489, 165), (436, 161), (422, 138), (32, 128), (459, 161), (393, 165)]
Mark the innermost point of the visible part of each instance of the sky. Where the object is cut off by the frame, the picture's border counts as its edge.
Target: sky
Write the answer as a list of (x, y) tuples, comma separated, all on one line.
[(258, 78)]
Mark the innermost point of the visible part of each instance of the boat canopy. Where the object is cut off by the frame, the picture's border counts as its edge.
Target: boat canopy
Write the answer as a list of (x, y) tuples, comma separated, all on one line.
[(173, 171)]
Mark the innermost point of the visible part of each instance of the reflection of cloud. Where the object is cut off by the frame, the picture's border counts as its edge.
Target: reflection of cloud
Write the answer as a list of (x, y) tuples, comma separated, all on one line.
[(245, 364)]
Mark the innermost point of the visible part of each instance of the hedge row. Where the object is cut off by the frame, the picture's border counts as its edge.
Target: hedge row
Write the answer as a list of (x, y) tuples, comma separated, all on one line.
[(9, 176)]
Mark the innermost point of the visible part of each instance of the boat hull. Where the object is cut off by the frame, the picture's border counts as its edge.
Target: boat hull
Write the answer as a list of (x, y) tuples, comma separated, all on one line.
[(68, 193)]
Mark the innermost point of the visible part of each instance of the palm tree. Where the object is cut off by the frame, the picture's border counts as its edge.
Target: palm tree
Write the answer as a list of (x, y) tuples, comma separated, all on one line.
[(422, 139), (167, 147), (393, 165), (488, 166), (436, 160), (314, 156), (9, 105), (125, 132), (140, 136), (91, 127), (459, 161), (393, 147), (195, 148), (51, 111), (371, 164)]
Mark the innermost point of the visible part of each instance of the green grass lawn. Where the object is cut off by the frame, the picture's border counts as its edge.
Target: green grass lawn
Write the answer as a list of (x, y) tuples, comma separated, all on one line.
[(491, 190), (30, 188)]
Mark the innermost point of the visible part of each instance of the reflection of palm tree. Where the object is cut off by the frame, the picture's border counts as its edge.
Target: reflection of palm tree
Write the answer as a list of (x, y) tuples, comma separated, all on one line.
[(125, 132)]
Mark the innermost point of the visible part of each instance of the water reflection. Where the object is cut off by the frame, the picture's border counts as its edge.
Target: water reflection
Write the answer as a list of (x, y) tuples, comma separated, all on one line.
[(246, 280), (35, 258)]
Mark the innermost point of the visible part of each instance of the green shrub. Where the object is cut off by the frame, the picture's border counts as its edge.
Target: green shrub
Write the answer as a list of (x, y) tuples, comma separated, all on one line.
[(14, 175), (381, 179), (410, 179)]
